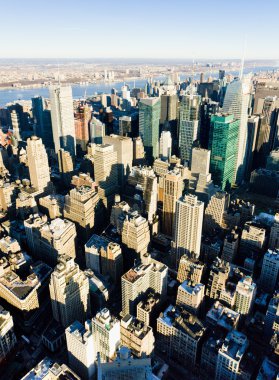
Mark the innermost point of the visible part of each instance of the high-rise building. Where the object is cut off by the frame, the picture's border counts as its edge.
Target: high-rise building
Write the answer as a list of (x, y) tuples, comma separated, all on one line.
[(137, 336), (136, 234), (208, 108), (190, 296), (230, 246), (38, 112), (138, 151), (236, 103), (270, 270), (81, 349), (62, 118), (253, 240), (180, 334), (104, 257), (69, 292), (273, 242), (190, 269), (139, 279), (38, 163), (52, 205), (230, 356), (244, 295), (272, 315), (173, 183), (49, 241), (219, 273), (169, 103), (97, 131), (144, 183), (47, 369), (188, 226), (165, 145), (148, 308), (214, 213), (188, 124), (125, 125), (82, 120), (106, 332), (80, 207), (66, 165), (125, 367), (123, 146), (7, 334), (149, 118), (106, 172), (223, 143)]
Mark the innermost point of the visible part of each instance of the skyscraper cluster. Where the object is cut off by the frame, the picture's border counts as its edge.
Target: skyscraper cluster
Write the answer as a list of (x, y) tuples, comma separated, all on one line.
[(139, 232)]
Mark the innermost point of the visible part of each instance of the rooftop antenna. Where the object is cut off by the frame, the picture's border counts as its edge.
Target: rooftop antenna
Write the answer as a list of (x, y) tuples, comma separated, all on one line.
[(58, 66), (242, 60)]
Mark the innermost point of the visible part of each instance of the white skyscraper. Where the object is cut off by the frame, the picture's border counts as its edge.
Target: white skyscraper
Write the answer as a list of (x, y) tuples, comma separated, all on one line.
[(244, 295), (62, 118), (37, 163), (165, 145), (188, 124), (188, 226), (236, 102), (81, 349), (106, 332)]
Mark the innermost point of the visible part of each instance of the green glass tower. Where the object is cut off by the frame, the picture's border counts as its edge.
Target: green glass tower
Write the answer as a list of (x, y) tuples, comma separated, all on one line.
[(223, 143), (149, 118)]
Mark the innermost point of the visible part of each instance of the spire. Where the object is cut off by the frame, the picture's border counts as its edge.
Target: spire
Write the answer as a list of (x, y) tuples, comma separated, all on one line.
[(242, 60)]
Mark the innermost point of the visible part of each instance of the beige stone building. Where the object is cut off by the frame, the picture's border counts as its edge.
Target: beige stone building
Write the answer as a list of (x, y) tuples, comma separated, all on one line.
[(69, 292), (137, 336), (190, 269)]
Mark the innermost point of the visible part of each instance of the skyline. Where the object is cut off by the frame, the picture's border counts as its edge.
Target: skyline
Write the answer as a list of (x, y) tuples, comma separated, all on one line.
[(148, 31)]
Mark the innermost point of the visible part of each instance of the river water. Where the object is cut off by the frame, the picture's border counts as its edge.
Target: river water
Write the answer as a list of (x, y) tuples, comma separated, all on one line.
[(14, 94)]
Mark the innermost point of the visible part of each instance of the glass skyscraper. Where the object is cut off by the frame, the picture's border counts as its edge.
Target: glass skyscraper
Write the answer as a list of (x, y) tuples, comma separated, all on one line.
[(149, 119), (223, 143), (188, 124)]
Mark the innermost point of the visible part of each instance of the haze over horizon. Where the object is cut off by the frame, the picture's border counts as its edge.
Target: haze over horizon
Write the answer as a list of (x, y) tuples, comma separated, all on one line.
[(144, 30)]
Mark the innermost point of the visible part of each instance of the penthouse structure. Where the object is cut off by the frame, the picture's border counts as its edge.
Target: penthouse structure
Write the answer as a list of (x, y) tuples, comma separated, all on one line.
[(139, 279), (137, 336)]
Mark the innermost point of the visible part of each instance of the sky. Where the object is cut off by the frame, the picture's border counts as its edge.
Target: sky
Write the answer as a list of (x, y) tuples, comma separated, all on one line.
[(177, 29)]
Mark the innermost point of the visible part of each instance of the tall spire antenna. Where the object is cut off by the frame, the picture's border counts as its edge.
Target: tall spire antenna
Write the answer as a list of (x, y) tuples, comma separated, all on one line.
[(58, 66), (243, 57)]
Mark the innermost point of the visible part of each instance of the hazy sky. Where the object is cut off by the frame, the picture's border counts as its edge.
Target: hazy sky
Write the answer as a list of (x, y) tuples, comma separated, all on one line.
[(139, 28)]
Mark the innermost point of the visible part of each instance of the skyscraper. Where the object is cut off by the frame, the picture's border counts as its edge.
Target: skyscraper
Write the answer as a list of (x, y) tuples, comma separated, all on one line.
[(62, 118), (165, 145), (172, 192), (81, 349), (38, 163), (270, 270), (38, 115), (149, 118), (188, 124), (188, 226), (223, 143), (244, 295), (69, 292), (7, 334), (236, 103)]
